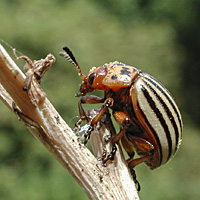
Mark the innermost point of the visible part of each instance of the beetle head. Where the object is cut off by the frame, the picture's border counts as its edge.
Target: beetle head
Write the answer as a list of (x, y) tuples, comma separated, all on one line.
[(91, 82)]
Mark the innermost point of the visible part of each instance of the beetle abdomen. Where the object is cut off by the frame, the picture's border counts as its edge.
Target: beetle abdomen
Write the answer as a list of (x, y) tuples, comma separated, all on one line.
[(158, 113)]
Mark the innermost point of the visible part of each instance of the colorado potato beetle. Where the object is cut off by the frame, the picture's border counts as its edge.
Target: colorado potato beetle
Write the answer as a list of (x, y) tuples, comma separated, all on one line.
[(150, 120)]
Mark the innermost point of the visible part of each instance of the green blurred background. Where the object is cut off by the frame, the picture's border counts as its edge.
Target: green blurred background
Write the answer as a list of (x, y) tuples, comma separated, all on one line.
[(158, 37)]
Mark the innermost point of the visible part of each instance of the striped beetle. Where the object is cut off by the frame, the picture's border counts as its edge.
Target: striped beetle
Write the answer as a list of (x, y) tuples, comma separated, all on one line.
[(150, 120)]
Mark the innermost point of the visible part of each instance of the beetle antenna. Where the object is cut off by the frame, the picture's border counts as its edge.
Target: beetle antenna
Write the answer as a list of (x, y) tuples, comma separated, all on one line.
[(70, 57)]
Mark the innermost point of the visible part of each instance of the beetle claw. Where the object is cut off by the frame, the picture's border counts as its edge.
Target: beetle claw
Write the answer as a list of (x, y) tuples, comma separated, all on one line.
[(138, 187), (87, 135), (111, 155)]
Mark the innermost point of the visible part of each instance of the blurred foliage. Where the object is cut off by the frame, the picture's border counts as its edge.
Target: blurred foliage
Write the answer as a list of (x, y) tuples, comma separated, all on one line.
[(159, 37)]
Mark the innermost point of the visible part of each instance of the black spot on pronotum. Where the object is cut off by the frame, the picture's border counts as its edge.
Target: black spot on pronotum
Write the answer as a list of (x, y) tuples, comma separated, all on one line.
[(114, 77), (134, 69), (91, 78), (125, 68), (125, 71)]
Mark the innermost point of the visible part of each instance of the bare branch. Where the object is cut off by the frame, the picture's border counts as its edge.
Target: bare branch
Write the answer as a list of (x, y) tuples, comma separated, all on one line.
[(36, 112)]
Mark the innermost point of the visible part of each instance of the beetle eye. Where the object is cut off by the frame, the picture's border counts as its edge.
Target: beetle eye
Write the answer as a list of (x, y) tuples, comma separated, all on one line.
[(91, 78)]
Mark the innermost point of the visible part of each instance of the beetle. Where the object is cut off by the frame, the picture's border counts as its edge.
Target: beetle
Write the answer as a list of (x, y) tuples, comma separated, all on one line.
[(150, 120)]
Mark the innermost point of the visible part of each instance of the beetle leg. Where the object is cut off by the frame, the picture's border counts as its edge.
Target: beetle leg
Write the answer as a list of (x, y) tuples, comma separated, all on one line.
[(81, 110), (92, 99), (121, 118), (143, 147), (137, 161), (114, 140), (89, 99), (128, 147), (107, 103), (135, 179), (83, 117)]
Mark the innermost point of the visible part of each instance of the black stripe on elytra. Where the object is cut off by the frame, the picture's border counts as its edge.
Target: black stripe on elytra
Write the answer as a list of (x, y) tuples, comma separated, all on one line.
[(153, 131), (160, 87), (160, 118), (167, 110)]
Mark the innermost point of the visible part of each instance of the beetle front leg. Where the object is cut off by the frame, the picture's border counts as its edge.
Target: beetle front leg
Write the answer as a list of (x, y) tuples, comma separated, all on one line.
[(107, 104), (89, 99)]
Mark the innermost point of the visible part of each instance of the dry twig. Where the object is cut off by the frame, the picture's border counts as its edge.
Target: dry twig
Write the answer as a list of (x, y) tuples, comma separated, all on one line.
[(24, 96)]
